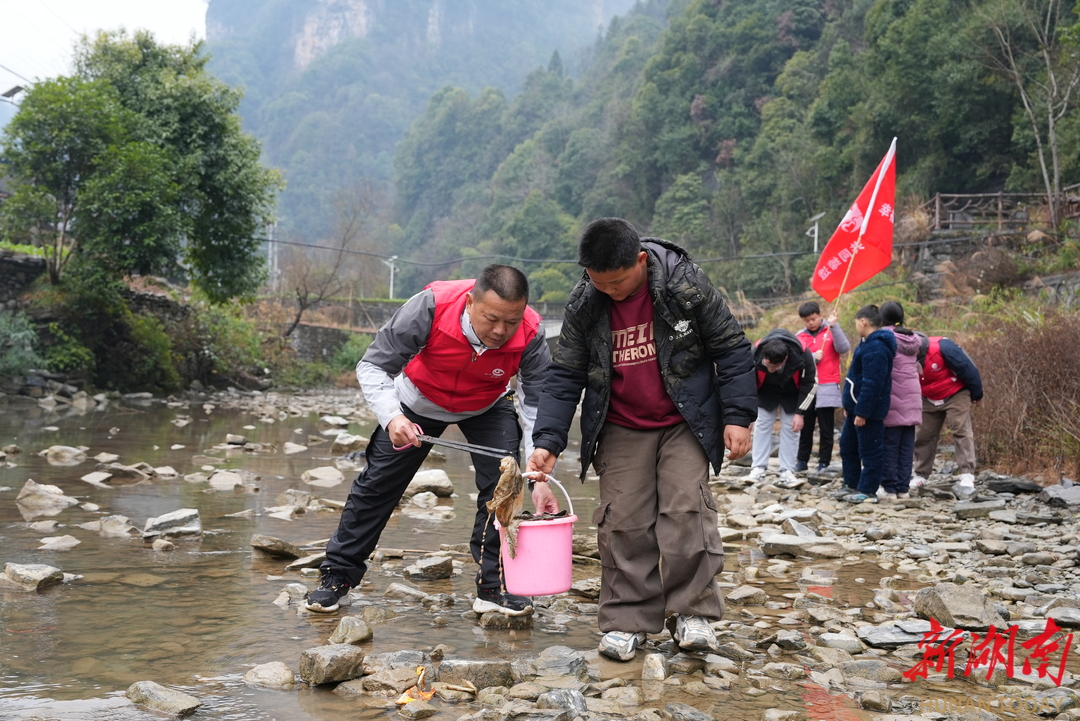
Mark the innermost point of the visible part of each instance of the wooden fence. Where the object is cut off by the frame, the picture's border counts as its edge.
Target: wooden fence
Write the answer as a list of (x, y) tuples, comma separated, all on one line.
[(997, 211)]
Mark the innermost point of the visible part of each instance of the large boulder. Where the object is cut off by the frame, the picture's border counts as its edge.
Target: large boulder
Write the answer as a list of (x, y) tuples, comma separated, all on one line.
[(40, 496), (30, 577), (957, 606)]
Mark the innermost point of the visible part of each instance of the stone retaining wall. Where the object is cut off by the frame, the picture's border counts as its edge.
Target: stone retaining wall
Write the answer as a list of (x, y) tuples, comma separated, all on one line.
[(17, 272)]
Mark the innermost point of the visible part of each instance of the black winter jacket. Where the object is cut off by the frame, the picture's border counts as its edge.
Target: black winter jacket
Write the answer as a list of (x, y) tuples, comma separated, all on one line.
[(779, 389), (693, 329)]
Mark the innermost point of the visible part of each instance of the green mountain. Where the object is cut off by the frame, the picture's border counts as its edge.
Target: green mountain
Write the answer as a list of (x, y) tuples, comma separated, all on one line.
[(724, 125), (331, 85)]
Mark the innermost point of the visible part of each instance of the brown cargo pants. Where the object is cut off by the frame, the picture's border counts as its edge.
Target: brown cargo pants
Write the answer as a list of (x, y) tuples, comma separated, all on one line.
[(954, 414), (660, 547)]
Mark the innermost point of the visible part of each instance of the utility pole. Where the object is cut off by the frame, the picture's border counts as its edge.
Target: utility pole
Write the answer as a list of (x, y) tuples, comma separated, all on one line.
[(393, 268), (813, 232)]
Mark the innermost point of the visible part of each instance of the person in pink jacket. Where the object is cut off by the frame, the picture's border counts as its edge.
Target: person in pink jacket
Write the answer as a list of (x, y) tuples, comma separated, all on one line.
[(905, 407)]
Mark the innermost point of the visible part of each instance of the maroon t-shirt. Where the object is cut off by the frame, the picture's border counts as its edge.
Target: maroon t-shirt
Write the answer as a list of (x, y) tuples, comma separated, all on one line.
[(638, 397)]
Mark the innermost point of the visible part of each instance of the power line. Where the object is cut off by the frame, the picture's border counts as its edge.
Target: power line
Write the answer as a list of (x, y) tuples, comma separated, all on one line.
[(58, 17), (20, 77)]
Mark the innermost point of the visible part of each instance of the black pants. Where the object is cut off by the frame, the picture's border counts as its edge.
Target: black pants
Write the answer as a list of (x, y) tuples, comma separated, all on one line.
[(826, 422), (377, 490)]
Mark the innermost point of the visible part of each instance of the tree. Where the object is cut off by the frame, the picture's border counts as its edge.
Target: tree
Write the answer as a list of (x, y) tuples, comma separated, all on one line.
[(314, 282), (1031, 53), (135, 164)]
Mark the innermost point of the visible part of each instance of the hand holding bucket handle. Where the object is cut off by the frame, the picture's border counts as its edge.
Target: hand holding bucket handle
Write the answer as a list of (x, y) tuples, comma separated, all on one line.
[(541, 477)]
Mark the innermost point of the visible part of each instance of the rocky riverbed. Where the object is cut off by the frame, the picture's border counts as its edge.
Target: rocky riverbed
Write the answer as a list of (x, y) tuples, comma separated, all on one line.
[(156, 553)]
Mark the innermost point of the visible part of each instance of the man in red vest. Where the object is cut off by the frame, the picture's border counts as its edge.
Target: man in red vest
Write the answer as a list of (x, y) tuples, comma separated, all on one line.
[(445, 357), (951, 385)]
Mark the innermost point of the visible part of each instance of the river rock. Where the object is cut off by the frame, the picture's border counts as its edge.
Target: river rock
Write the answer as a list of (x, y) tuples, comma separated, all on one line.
[(352, 629), (182, 522), (992, 547), (1065, 616), (31, 577), (43, 526), (347, 443), (1038, 558), (275, 546), (685, 712), (63, 455), (434, 481), (390, 682), (875, 701), (162, 545), (40, 496), (1059, 496), (290, 448), (526, 712), (793, 528), (624, 695), (165, 472), (235, 439), (780, 544), (431, 569), (96, 478), (978, 509), (747, 596), (783, 714), (790, 671), (271, 675), (1014, 486), (335, 421), (844, 641), (322, 477), (957, 606), (327, 664), (560, 661), (417, 709), (481, 674), (566, 699), (119, 471), (58, 543), (225, 480), (655, 667), (887, 635), (872, 670), (589, 588), (159, 698)]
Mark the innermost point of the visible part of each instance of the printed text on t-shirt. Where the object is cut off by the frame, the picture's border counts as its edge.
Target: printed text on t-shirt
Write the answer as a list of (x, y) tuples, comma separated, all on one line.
[(633, 345)]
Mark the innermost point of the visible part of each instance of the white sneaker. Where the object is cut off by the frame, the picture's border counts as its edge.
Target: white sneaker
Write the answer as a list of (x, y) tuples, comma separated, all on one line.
[(917, 482), (756, 474), (694, 633), (788, 479), (967, 479), (881, 492), (621, 645)]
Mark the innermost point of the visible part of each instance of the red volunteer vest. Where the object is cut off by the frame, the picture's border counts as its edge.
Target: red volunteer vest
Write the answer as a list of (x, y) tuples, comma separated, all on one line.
[(828, 368), (448, 372), (938, 382)]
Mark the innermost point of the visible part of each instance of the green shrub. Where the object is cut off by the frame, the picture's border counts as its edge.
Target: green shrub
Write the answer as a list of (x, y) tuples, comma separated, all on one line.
[(67, 354), (350, 352), (17, 344)]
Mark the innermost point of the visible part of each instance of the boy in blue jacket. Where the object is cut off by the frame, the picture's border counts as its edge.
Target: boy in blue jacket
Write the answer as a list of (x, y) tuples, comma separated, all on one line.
[(866, 403)]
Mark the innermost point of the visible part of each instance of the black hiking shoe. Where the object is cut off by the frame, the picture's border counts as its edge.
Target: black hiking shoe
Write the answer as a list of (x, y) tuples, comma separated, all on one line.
[(489, 599), (324, 599)]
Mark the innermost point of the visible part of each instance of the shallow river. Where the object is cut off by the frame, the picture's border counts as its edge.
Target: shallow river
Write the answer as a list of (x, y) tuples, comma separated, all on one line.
[(198, 617)]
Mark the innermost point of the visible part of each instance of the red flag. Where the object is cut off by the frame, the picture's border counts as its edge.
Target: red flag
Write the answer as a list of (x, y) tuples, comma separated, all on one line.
[(862, 246)]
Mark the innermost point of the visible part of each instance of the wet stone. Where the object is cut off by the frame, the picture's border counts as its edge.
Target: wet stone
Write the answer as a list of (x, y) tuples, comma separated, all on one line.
[(159, 698), (272, 675), (569, 700), (790, 671), (560, 661), (873, 670), (794, 528), (390, 682), (327, 664), (275, 546), (417, 709), (957, 606), (624, 695), (747, 596), (780, 544), (886, 636), (875, 701), (352, 629), (31, 577), (654, 667), (347, 443), (435, 481), (182, 522), (842, 641), (589, 588), (685, 712), (685, 664), (481, 674), (521, 712), (734, 651), (41, 496)]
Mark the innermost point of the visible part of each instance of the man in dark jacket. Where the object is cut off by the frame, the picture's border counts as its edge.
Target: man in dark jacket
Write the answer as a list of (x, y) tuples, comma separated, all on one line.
[(867, 390), (951, 386), (669, 382), (785, 377)]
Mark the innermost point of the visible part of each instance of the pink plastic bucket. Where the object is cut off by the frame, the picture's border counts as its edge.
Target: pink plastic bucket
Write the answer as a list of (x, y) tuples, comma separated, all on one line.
[(543, 565)]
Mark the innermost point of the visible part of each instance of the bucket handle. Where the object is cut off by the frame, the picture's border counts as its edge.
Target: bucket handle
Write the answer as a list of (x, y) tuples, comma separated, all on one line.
[(533, 474)]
